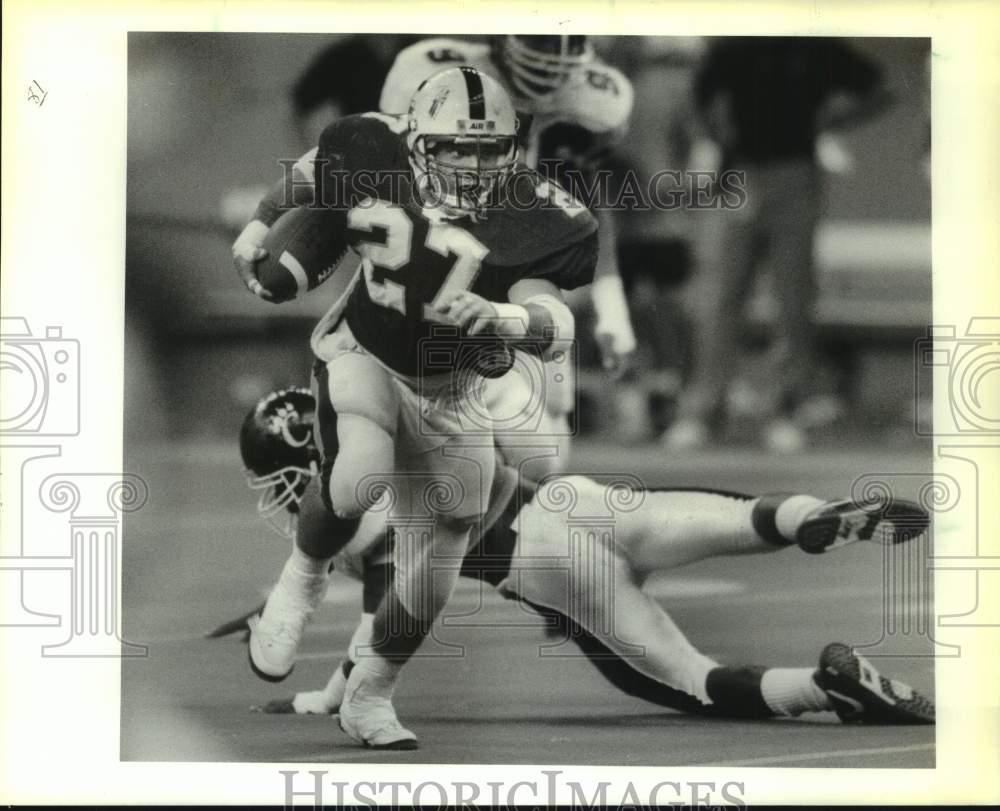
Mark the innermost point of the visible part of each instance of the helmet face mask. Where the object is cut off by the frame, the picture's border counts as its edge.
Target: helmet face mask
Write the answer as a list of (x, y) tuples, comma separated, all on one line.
[(462, 139), (540, 65), (280, 454), (462, 172), (280, 495)]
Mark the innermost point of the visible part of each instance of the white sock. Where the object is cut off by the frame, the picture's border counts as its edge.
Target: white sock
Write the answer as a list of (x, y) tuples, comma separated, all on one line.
[(360, 643), (378, 674), (302, 583), (792, 691), (333, 693), (792, 512)]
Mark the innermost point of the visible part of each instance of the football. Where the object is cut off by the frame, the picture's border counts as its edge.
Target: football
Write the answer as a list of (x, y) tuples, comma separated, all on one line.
[(303, 248)]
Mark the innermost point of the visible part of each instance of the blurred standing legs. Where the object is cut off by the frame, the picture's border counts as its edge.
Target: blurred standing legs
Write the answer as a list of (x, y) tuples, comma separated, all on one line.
[(778, 222)]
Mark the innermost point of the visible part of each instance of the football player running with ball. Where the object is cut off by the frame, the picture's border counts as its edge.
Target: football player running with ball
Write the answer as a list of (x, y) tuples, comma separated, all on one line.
[(464, 253), (539, 547), (574, 110)]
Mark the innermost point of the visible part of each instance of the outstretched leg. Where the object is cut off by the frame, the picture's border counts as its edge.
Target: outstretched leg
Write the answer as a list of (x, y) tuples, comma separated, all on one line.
[(578, 559), (843, 682), (673, 527)]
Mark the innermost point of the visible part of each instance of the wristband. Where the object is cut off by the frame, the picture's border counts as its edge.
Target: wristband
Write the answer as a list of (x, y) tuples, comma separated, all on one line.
[(511, 320)]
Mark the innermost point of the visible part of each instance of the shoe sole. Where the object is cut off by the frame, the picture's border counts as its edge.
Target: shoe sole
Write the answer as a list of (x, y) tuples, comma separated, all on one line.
[(402, 745), (846, 522), (872, 698), (260, 674)]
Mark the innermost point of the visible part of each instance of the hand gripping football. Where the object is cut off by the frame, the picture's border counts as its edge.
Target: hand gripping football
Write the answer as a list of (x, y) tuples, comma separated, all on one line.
[(303, 248)]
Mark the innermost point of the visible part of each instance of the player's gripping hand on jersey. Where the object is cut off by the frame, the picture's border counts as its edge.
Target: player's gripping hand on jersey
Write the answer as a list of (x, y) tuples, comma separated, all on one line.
[(482, 317)]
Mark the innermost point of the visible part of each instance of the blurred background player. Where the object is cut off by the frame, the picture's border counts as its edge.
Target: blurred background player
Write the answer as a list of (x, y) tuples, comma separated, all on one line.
[(644, 654), (764, 102)]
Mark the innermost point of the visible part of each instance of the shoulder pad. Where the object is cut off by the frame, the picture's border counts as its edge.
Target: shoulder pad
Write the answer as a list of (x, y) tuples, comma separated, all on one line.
[(366, 141), (601, 99), (421, 60)]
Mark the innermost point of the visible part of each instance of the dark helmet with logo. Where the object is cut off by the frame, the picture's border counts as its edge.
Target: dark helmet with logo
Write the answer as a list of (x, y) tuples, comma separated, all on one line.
[(280, 453)]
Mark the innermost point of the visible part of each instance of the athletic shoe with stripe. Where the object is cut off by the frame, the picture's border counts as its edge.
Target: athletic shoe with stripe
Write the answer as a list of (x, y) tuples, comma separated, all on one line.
[(367, 714), (838, 523), (862, 695), (275, 633)]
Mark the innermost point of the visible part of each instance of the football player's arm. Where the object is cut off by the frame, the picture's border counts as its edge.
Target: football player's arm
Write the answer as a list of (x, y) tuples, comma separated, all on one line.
[(534, 313), (613, 325), (295, 188), (613, 331)]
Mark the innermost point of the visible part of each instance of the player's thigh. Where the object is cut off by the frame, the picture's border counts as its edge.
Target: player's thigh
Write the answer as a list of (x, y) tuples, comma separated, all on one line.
[(357, 412), (531, 436), (448, 483)]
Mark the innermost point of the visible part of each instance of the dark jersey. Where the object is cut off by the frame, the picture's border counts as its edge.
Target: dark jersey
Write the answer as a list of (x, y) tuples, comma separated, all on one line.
[(412, 256)]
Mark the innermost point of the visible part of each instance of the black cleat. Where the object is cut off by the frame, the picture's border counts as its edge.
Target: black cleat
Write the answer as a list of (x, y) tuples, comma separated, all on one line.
[(838, 523), (279, 706), (861, 695), (310, 703), (233, 626)]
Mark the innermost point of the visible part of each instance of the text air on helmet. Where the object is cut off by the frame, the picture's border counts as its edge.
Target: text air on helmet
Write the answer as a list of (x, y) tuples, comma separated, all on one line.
[(462, 139)]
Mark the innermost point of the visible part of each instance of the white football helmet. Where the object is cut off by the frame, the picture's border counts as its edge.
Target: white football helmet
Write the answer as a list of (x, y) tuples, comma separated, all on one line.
[(462, 138), (538, 65)]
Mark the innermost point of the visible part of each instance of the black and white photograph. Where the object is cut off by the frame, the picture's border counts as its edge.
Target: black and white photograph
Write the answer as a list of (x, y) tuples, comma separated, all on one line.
[(543, 398), (571, 357)]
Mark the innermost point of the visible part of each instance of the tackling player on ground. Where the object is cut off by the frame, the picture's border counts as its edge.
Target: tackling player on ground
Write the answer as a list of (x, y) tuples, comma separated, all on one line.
[(644, 653)]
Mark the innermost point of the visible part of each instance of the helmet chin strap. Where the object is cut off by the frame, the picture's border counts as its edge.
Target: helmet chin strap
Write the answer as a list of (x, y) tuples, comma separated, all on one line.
[(446, 206)]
